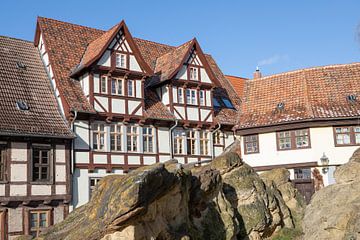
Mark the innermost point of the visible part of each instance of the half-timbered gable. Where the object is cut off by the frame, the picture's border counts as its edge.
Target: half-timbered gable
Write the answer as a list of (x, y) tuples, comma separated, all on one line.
[(127, 103)]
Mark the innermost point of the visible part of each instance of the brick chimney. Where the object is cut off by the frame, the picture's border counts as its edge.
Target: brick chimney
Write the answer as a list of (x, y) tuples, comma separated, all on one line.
[(257, 73)]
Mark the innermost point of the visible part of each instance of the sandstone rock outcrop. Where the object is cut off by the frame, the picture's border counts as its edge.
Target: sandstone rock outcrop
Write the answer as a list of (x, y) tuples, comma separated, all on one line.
[(225, 199), (334, 211)]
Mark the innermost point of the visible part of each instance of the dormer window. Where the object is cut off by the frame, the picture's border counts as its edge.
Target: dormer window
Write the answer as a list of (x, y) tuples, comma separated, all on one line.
[(194, 73), (120, 60)]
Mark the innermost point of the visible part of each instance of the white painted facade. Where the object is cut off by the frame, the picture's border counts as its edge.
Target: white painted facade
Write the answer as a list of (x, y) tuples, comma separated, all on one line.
[(322, 141)]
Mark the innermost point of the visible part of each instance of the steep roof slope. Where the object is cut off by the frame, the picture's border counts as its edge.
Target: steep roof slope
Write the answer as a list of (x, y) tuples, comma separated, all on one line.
[(317, 93), (238, 83), (23, 78), (71, 41)]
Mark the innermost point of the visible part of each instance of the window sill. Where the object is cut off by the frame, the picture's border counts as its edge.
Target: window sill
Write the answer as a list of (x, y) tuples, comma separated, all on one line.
[(249, 153), (347, 145), (288, 149), (41, 183)]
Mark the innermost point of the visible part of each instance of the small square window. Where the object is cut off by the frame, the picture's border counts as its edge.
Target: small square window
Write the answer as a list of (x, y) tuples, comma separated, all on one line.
[(120, 60)]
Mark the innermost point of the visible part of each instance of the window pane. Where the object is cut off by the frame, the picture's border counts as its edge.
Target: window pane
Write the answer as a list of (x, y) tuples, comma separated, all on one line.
[(33, 220)]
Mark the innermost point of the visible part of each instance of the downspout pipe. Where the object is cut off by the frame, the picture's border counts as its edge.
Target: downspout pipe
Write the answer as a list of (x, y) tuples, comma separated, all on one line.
[(171, 139), (73, 143), (212, 143)]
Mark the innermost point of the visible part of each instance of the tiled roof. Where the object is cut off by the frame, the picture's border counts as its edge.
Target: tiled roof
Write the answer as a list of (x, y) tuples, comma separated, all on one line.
[(238, 84), (169, 62), (67, 43), (94, 49), (28, 83), (308, 94)]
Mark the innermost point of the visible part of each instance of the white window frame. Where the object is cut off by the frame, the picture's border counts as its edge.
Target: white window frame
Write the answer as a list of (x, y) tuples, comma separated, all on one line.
[(103, 80), (97, 134), (194, 73), (117, 134), (93, 187), (180, 92), (204, 143), (132, 137), (179, 142), (131, 86), (115, 83), (191, 96), (191, 142), (202, 97), (148, 139), (120, 60)]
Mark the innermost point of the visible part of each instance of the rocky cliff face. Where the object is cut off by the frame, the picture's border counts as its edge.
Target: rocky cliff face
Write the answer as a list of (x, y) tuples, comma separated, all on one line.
[(334, 211), (223, 200)]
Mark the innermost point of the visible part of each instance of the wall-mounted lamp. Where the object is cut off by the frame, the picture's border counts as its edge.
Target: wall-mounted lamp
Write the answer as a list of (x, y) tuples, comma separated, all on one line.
[(324, 163)]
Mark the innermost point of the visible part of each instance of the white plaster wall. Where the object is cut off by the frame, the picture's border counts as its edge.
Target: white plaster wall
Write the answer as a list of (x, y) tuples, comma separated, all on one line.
[(192, 160), (18, 172), (82, 157), (133, 160), (18, 190), (149, 160), (165, 95), (60, 189), (192, 113), (134, 65), (132, 104), (60, 153), (180, 114), (228, 138), (164, 140), (19, 151), (84, 82), (218, 150), (204, 76), (2, 189), (15, 216), (100, 158), (118, 171), (104, 103), (40, 190), (118, 106), (81, 129), (322, 141), (164, 158), (60, 173), (204, 113), (117, 159), (105, 59), (182, 74)]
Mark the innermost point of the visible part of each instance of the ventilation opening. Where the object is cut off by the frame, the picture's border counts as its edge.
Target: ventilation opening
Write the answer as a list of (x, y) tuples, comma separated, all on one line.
[(280, 106), (22, 105), (351, 98), (20, 65)]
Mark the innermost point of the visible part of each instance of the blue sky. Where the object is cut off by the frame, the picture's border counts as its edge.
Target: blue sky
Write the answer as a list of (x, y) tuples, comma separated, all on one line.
[(277, 35)]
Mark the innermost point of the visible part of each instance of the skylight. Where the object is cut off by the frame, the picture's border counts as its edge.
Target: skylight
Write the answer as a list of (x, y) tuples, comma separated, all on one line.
[(216, 103), (227, 103), (22, 105)]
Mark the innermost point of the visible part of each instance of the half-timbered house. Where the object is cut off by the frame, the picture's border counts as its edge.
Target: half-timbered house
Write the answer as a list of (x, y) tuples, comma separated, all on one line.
[(34, 144), (300, 120), (134, 102)]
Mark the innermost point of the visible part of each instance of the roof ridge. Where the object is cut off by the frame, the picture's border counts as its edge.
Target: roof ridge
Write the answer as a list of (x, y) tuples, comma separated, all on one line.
[(17, 39), (56, 20), (150, 41), (305, 70)]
